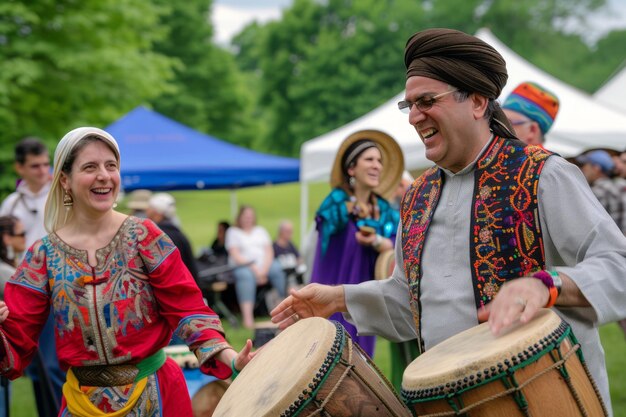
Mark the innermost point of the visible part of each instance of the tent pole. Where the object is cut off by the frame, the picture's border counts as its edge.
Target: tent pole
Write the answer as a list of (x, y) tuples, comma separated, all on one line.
[(233, 203), (304, 209)]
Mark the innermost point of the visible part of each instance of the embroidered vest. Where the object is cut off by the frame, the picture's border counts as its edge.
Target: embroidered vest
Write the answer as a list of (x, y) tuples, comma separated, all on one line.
[(505, 234)]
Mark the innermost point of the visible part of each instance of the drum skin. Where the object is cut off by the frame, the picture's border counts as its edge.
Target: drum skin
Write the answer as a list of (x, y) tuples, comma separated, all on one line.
[(312, 367), (536, 369)]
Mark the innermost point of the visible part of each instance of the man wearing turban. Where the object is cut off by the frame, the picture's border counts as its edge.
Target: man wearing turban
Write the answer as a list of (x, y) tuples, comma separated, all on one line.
[(487, 219)]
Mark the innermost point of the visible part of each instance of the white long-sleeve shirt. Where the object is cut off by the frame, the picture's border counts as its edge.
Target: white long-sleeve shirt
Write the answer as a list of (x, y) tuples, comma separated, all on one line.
[(28, 207), (580, 240)]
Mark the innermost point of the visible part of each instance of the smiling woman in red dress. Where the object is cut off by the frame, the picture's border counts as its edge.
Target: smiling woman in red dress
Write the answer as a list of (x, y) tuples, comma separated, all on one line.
[(118, 291)]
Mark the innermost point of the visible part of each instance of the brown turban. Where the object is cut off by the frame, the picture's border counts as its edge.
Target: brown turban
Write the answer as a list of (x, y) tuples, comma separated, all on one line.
[(463, 61)]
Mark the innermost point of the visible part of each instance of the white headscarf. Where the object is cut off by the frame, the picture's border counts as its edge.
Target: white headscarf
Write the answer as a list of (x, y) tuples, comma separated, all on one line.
[(54, 218)]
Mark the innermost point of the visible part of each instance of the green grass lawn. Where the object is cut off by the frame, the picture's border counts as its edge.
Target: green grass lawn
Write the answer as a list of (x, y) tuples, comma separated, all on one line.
[(200, 211)]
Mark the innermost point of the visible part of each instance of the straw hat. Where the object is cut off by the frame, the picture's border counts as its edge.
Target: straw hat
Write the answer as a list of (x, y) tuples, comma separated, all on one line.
[(138, 199), (393, 161)]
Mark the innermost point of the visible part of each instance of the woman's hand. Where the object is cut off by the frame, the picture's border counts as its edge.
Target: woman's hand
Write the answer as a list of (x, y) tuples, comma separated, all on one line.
[(377, 242), (241, 359), (4, 311), (314, 300), (244, 356), (365, 239)]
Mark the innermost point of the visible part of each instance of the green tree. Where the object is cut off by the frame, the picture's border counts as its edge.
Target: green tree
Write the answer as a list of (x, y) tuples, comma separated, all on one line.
[(325, 63), (208, 94), (606, 60), (65, 63)]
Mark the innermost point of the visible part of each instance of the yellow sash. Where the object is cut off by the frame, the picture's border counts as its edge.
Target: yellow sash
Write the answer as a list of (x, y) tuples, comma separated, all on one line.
[(79, 404)]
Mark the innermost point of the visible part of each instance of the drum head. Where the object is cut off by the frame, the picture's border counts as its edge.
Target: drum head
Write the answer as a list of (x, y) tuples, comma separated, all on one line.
[(281, 370), (385, 262), (475, 349)]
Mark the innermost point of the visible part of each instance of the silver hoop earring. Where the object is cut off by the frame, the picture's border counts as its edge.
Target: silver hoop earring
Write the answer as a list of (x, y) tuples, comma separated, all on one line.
[(351, 181)]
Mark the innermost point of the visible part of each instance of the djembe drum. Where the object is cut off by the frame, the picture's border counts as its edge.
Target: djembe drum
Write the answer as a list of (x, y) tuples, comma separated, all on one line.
[(385, 263), (205, 391), (536, 369), (311, 368)]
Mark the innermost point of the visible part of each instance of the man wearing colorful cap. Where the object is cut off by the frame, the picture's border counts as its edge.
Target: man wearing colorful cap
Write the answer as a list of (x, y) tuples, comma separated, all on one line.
[(488, 219), (531, 109)]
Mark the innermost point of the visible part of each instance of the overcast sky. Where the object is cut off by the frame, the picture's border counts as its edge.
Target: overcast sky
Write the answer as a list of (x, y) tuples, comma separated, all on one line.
[(230, 16)]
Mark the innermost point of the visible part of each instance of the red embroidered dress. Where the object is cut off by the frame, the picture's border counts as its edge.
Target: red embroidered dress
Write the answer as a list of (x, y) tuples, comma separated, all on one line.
[(121, 311)]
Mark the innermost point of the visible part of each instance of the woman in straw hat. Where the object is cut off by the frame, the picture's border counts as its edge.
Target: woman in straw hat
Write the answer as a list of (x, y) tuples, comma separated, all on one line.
[(118, 291), (356, 222)]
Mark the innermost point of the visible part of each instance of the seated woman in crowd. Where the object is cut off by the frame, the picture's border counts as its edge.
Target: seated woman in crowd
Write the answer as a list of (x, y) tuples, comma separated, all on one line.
[(250, 248)]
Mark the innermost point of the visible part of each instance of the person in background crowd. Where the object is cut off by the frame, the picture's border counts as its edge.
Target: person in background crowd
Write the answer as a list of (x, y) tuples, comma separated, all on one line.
[(250, 248), (27, 203), (288, 255), (162, 210), (598, 167), (138, 202), (531, 109), (486, 189), (404, 184), (619, 182), (32, 164), (619, 159), (118, 291), (219, 244), (355, 222), (12, 244)]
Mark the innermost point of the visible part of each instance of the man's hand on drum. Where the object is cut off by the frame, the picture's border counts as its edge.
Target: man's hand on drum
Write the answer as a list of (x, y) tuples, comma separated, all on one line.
[(314, 300), (517, 299)]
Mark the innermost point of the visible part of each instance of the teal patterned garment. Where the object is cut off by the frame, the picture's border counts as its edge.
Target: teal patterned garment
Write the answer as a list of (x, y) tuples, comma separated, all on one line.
[(334, 212)]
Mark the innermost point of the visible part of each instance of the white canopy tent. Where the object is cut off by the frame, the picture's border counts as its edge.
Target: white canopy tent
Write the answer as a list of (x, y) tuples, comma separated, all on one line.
[(582, 123), (612, 93)]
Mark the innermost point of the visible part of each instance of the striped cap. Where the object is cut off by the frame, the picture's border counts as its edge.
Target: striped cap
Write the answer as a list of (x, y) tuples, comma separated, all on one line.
[(535, 102)]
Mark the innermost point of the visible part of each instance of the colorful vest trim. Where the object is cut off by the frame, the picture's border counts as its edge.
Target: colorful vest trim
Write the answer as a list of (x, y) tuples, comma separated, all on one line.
[(505, 234)]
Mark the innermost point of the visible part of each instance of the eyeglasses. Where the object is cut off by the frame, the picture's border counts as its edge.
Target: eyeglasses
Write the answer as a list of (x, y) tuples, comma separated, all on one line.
[(424, 103), (520, 122), (23, 234)]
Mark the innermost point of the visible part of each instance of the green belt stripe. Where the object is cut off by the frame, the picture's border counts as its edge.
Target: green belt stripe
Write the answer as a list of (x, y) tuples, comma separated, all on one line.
[(151, 364)]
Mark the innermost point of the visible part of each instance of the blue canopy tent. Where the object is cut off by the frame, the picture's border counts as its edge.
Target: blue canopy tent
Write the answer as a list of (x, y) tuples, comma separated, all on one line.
[(161, 154)]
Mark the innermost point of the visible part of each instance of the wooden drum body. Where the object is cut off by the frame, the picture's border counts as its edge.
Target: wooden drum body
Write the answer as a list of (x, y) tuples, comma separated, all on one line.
[(536, 369), (385, 263), (205, 391), (311, 368)]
